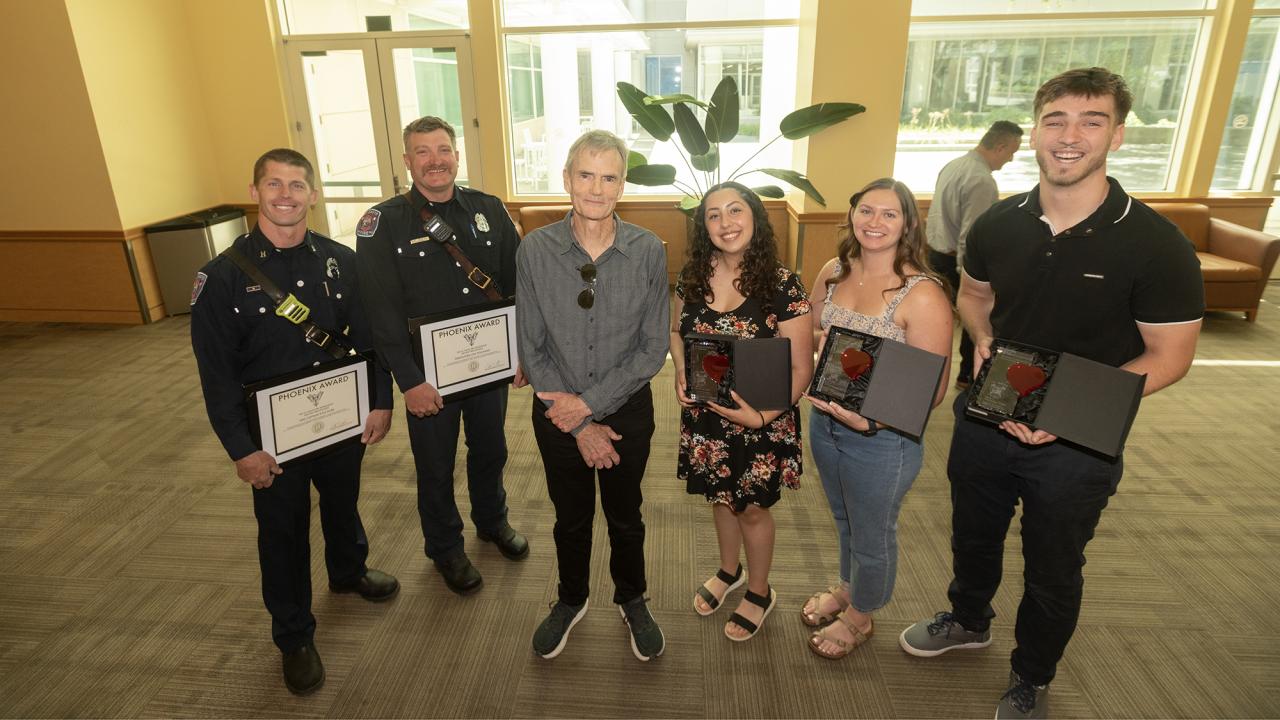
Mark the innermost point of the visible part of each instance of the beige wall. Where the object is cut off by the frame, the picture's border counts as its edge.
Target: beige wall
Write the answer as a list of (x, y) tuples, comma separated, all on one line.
[(55, 176), (148, 106), (234, 52)]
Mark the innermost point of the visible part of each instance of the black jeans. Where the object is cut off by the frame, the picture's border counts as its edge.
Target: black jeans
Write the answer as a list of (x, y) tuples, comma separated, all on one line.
[(945, 265), (1063, 490), (571, 483), (284, 538), (434, 440)]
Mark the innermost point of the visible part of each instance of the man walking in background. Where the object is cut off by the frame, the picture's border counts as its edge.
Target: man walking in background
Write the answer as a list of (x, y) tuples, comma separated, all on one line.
[(965, 190)]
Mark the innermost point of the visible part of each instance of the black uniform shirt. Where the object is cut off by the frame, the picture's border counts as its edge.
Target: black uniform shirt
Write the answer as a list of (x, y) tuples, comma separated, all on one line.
[(1084, 289), (406, 279), (238, 339)]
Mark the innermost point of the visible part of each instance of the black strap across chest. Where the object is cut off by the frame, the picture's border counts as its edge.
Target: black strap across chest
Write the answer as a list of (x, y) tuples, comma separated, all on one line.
[(291, 309)]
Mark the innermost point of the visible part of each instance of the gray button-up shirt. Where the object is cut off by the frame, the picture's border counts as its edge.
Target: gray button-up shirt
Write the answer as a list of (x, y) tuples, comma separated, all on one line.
[(964, 191), (605, 354)]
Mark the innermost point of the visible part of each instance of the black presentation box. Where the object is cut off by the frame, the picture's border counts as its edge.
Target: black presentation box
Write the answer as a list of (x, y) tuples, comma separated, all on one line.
[(1080, 400), (884, 380)]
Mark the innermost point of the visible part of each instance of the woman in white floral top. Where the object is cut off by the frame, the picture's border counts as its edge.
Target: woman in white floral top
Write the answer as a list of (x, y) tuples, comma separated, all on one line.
[(740, 459), (879, 283)]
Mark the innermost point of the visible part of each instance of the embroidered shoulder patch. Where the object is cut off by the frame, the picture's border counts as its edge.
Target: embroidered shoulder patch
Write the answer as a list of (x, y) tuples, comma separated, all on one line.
[(198, 287), (368, 224)]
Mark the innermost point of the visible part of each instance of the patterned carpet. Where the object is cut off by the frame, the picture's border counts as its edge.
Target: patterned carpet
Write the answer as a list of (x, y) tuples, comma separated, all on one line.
[(129, 580)]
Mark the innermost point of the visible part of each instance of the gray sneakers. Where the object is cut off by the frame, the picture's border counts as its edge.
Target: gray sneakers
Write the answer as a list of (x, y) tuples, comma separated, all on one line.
[(1023, 700), (930, 638), (647, 641), (552, 635)]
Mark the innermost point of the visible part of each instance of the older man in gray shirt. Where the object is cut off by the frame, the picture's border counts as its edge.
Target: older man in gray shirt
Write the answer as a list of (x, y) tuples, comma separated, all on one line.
[(965, 190), (592, 310)]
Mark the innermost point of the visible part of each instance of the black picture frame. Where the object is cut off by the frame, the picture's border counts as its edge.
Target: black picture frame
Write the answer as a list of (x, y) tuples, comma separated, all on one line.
[(444, 346), (274, 420)]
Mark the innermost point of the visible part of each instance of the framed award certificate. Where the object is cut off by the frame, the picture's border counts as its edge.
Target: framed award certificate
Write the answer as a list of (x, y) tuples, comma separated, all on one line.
[(469, 350), (301, 414)]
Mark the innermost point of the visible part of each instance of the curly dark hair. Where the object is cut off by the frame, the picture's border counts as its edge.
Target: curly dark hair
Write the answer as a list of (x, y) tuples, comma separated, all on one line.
[(758, 277), (912, 247)]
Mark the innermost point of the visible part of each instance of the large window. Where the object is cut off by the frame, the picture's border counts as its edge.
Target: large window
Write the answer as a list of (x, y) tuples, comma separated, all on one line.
[(1248, 142), (963, 75), (571, 87), (314, 17)]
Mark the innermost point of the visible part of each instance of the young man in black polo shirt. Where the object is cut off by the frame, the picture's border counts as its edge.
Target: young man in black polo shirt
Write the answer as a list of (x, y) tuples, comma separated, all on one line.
[(1075, 265)]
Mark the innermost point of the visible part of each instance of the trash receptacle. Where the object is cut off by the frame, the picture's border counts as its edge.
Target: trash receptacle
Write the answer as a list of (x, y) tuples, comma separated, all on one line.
[(181, 246)]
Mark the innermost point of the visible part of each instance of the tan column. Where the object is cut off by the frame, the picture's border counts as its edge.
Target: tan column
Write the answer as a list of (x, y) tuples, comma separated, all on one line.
[(850, 51), (489, 80)]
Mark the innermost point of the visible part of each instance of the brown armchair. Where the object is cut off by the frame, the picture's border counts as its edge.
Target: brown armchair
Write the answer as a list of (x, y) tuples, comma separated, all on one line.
[(1234, 260)]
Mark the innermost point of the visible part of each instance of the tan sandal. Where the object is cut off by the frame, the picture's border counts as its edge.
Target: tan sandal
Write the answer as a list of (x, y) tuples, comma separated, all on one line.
[(817, 619), (817, 639)]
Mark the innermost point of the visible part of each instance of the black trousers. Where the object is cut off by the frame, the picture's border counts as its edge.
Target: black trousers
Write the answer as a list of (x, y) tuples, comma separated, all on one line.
[(571, 483), (284, 538), (1063, 490), (434, 440), (945, 265)]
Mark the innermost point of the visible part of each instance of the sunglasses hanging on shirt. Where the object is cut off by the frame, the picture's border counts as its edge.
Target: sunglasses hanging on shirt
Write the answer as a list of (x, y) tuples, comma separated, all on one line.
[(587, 298)]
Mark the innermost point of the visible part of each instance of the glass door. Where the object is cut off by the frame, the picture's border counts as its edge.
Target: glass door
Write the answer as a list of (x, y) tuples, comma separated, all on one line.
[(353, 97), (424, 76)]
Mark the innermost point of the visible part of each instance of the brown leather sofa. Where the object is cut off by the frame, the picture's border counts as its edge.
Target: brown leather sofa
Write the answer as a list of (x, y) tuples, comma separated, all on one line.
[(1234, 260), (532, 217)]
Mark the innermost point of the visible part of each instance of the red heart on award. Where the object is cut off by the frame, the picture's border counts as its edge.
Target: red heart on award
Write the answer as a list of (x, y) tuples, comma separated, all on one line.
[(855, 362), (715, 365), (1025, 378)]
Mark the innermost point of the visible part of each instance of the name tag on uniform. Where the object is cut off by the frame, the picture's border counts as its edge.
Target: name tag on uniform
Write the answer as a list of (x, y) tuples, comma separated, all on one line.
[(252, 288), (423, 239)]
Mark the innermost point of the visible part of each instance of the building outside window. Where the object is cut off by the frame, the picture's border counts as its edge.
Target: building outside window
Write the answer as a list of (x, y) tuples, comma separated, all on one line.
[(685, 46), (1248, 141), (965, 73)]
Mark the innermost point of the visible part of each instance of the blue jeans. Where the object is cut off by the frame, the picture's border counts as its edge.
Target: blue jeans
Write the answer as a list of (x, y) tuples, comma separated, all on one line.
[(865, 479)]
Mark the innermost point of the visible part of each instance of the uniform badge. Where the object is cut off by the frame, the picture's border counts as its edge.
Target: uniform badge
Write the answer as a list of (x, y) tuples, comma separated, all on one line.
[(368, 224), (198, 287), (482, 223), (331, 268)]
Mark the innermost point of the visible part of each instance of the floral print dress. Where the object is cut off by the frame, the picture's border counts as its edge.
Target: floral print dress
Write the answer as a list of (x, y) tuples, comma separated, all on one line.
[(726, 462)]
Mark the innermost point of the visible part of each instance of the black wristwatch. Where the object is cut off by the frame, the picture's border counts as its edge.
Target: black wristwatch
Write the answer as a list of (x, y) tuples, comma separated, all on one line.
[(871, 428)]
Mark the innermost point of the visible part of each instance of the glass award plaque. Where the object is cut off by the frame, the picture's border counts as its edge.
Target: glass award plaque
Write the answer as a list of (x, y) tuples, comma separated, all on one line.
[(1012, 384), (844, 371), (708, 368)]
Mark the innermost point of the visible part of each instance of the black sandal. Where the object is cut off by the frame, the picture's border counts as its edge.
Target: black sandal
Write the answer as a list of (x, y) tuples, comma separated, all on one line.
[(759, 601), (732, 581)]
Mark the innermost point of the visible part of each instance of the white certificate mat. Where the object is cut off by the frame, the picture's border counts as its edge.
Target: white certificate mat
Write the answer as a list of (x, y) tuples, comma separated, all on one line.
[(301, 416), (469, 351)]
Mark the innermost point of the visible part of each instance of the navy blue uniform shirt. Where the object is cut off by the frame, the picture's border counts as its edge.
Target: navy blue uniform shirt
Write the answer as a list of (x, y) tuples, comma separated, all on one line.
[(238, 339), (408, 275)]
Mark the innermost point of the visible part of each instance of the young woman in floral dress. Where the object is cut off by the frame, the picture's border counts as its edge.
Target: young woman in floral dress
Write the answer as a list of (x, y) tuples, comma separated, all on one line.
[(739, 459)]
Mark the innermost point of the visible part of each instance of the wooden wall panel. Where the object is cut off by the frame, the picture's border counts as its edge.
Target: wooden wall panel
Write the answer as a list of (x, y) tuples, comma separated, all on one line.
[(65, 280)]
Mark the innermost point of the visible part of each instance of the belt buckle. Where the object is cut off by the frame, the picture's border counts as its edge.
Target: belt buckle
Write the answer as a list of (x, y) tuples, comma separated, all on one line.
[(313, 333), (482, 285), (293, 310)]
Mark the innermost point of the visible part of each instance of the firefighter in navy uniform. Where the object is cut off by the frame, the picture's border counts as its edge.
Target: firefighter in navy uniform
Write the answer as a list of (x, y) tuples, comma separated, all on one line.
[(406, 274), (239, 339)]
